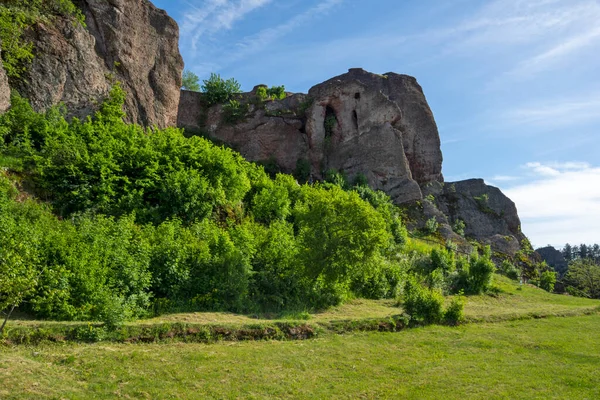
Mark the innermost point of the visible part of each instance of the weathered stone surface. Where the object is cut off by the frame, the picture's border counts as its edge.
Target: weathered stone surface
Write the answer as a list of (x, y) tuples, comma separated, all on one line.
[(356, 123), (130, 41), (4, 88), (420, 136), (489, 215), (141, 43), (65, 69)]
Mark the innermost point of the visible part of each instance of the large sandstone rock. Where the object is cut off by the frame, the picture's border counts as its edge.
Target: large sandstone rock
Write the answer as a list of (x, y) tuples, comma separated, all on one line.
[(356, 123), (4, 88), (489, 216), (130, 41)]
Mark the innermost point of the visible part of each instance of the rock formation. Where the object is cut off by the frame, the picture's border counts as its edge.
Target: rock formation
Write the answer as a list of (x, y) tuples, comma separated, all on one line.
[(4, 88), (554, 259), (356, 123), (488, 215), (130, 41)]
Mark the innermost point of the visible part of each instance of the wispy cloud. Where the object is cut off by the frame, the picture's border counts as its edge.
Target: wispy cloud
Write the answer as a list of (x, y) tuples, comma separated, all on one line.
[(556, 113), (215, 16), (560, 204), (252, 44)]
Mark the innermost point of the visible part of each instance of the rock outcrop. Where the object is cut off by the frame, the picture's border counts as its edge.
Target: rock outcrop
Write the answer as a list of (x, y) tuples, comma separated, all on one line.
[(357, 123), (130, 41), (488, 215), (554, 259), (4, 87)]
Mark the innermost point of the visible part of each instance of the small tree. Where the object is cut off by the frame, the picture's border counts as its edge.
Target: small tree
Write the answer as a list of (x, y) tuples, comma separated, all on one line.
[(548, 280), (218, 90), (190, 81)]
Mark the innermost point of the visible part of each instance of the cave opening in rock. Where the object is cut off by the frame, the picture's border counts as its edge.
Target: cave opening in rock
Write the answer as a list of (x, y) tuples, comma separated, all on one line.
[(355, 119), (330, 121), (357, 96)]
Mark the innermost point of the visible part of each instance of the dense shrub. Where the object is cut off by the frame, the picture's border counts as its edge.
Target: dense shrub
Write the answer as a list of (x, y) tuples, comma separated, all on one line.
[(218, 90), (455, 312), (474, 276), (548, 280), (510, 270), (150, 221), (424, 305)]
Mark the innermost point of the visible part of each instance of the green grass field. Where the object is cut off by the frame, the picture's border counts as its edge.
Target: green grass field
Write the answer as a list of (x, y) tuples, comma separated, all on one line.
[(509, 349), (537, 358)]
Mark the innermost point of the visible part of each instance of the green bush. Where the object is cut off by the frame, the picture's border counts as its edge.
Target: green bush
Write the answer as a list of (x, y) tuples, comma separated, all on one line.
[(548, 280), (234, 111), (459, 227), (423, 305), (302, 171), (455, 312), (190, 81), (218, 90), (475, 275), (431, 226), (510, 270), (261, 94), (276, 92), (142, 220)]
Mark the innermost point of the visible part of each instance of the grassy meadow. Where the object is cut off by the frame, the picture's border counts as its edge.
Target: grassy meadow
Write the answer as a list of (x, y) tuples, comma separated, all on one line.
[(519, 343), (536, 358)]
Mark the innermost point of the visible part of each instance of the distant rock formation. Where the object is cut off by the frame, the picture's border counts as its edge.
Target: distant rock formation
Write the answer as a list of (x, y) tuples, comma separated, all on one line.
[(357, 123), (130, 41), (4, 87), (554, 259)]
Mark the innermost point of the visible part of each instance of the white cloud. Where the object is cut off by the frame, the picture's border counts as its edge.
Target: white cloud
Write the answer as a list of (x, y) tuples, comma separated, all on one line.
[(560, 204), (505, 178), (215, 16), (556, 113), (251, 44)]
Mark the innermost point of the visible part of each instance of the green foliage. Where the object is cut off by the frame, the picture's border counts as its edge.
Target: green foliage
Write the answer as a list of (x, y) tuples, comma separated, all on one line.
[(431, 226), (261, 93), (339, 234), (190, 81), (16, 16), (147, 220), (508, 269), (336, 178), (548, 280), (475, 275), (423, 305), (482, 200), (455, 312), (302, 171), (234, 111), (276, 92), (329, 124), (583, 279), (218, 90), (459, 227)]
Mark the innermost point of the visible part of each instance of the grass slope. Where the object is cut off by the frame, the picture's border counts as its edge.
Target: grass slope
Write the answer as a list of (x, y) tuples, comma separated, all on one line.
[(544, 358)]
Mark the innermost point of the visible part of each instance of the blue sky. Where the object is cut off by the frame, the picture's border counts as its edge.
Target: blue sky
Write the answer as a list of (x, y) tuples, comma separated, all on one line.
[(514, 84)]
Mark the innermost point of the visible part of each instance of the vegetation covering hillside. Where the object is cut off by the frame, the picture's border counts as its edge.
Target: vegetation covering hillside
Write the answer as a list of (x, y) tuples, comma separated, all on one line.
[(139, 222)]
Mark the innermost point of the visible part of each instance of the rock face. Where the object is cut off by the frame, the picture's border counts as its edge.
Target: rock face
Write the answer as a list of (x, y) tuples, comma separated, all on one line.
[(130, 41), (489, 216), (357, 123), (4, 88), (554, 258)]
